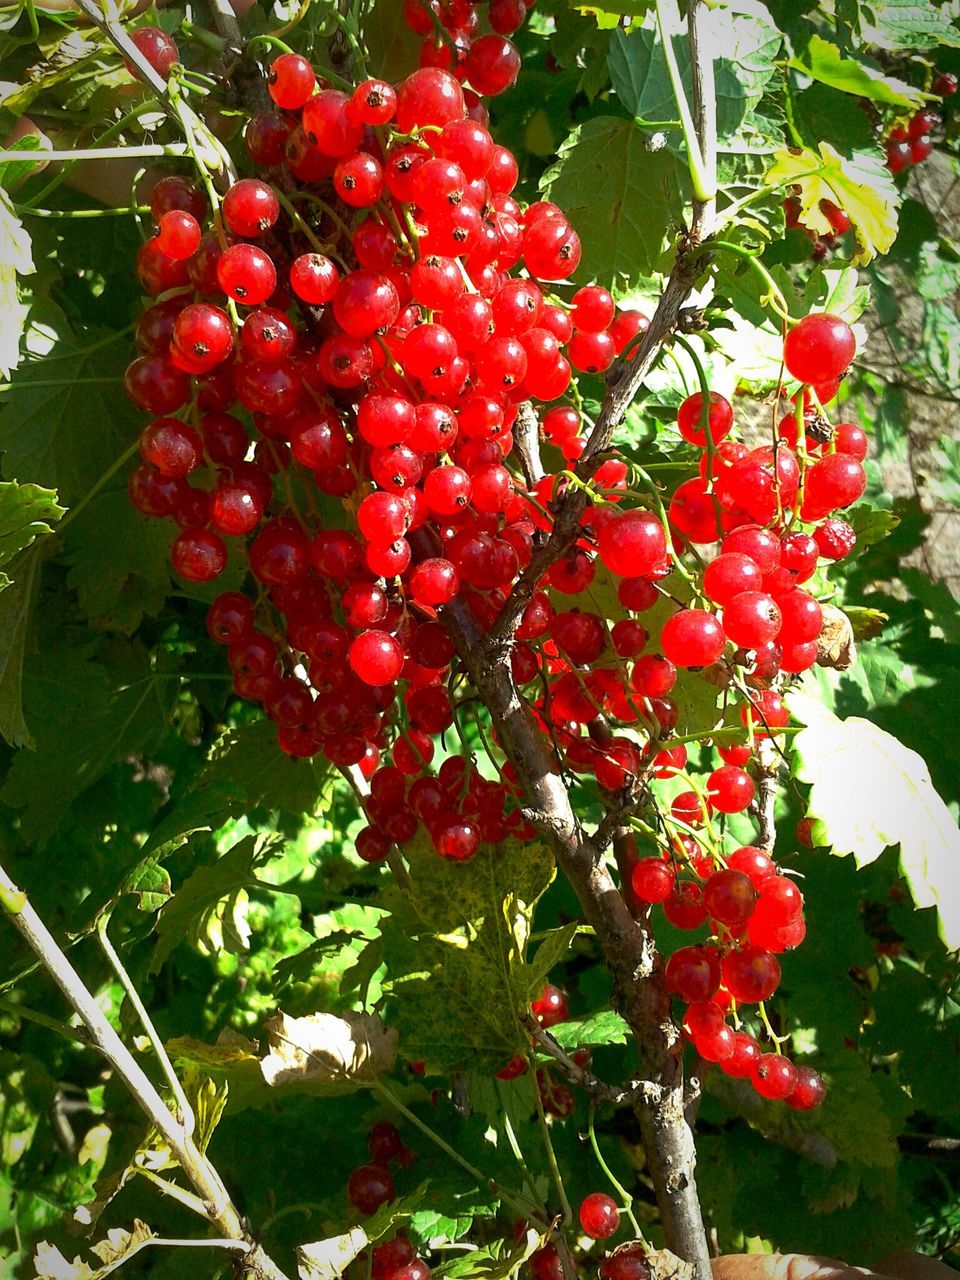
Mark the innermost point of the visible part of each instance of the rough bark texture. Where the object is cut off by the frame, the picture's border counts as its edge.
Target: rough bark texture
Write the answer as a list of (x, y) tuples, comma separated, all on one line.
[(639, 992)]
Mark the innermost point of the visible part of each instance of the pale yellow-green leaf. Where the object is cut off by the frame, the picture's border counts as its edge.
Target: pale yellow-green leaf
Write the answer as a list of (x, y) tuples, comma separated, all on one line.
[(869, 792), (15, 260), (116, 1249), (823, 61), (860, 186), (328, 1053), (327, 1259), (95, 1143)]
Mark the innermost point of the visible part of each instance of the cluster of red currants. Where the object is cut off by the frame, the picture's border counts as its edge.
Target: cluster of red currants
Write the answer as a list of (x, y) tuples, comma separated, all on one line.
[(335, 363), (380, 366), (370, 1186), (911, 143), (754, 913), (452, 39), (599, 1219), (838, 218)]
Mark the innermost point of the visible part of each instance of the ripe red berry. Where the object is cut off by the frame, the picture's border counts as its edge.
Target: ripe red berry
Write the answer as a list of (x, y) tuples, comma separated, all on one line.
[(159, 49), (369, 1187), (290, 81), (693, 638), (808, 1092), (820, 347), (250, 207), (633, 544), (653, 880), (774, 1076), (693, 973), (729, 789), (599, 1215), (730, 897), (690, 419), (550, 1007), (198, 555), (751, 975)]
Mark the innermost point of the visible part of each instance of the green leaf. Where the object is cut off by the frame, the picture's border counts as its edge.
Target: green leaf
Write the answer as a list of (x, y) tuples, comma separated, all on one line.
[(618, 195), (454, 949), (117, 706), (945, 481), (119, 562), (233, 1060), (17, 604), (549, 954), (940, 339), (860, 185), (823, 61), (607, 13), (605, 1027), (65, 419), (15, 260), (11, 171), (498, 1261), (27, 512), (909, 25), (199, 904), (246, 770), (149, 883), (869, 792), (746, 43), (62, 58)]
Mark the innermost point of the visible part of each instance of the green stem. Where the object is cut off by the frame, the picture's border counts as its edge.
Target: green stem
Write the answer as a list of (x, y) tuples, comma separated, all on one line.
[(43, 1020), (625, 1196), (185, 1114), (200, 35), (523, 1207), (186, 1198), (552, 1157), (27, 211), (95, 153), (668, 24), (114, 131), (104, 479), (774, 298)]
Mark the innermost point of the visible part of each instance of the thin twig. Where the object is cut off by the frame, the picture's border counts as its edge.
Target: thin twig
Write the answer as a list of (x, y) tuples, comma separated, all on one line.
[(185, 1112), (220, 1209)]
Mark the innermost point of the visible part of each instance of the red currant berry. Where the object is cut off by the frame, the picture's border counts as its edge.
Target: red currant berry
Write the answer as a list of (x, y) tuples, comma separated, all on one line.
[(599, 1215)]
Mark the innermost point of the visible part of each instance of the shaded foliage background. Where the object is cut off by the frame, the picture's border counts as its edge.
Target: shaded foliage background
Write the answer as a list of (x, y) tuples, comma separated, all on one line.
[(132, 780)]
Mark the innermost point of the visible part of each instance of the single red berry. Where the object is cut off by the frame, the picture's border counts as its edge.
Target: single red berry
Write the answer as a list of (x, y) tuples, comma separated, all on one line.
[(719, 419), (198, 555), (599, 1215), (751, 975), (808, 1092), (159, 49), (376, 657), (290, 81), (774, 1076), (550, 1007), (693, 973), (730, 790), (633, 544), (653, 880), (693, 638), (820, 347), (369, 1187)]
